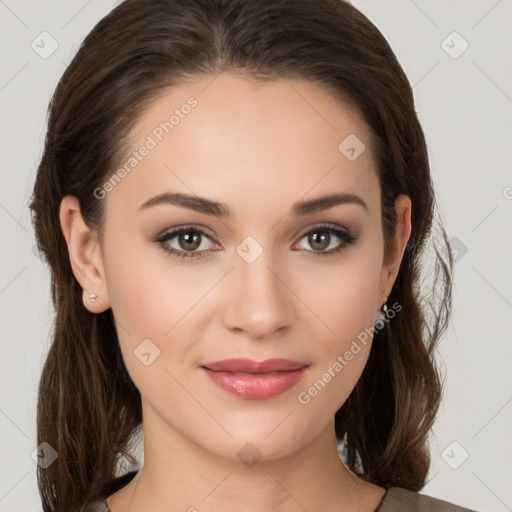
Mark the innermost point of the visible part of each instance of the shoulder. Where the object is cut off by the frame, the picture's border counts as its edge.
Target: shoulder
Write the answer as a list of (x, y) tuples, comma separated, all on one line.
[(397, 498)]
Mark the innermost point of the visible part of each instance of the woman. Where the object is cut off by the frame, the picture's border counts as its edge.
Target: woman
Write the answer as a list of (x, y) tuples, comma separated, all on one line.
[(234, 199)]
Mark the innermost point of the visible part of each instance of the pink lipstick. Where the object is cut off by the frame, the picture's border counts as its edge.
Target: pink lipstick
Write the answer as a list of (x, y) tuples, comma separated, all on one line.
[(252, 379)]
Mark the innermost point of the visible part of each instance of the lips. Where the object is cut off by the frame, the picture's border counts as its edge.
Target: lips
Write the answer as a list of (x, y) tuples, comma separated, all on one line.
[(249, 366), (246, 378)]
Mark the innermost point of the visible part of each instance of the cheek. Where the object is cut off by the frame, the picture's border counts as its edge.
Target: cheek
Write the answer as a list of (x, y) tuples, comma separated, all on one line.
[(148, 292), (340, 358), (342, 297), (343, 331), (157, 306), (147, 307)]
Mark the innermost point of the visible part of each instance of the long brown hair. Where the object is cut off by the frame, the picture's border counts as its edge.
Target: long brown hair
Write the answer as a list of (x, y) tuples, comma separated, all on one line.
[(88, 407)]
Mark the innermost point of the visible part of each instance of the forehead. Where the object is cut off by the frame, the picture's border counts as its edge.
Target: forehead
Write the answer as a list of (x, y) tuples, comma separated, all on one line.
[(246, 143)]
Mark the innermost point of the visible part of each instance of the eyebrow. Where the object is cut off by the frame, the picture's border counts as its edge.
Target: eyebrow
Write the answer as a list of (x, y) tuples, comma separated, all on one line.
[(202, 205)]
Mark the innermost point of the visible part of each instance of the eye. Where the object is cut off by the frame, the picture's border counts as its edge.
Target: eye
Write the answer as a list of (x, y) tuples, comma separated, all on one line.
[(187, 238), (321, 238)]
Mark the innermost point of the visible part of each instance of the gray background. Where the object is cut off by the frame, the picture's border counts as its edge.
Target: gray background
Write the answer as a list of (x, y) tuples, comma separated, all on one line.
[(464, 101)]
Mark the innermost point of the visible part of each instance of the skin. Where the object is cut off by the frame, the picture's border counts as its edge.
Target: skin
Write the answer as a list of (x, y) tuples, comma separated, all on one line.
[(258, 148)]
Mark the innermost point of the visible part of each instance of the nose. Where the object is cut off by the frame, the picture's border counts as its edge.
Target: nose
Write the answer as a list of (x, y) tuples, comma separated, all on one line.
[(259, 301)]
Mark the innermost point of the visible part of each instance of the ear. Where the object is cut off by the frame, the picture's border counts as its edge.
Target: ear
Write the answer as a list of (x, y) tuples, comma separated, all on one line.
[(393, 258), (84, 255)]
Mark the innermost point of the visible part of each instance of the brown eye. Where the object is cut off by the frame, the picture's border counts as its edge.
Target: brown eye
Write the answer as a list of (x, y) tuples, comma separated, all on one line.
[(323, 237), (188, 241)]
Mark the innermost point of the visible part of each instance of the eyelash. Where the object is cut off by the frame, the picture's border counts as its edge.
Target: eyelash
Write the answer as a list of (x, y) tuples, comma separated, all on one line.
[(347, 237)]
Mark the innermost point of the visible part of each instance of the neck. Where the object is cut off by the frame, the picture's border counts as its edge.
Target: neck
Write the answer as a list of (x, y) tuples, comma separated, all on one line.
[(179, 475)]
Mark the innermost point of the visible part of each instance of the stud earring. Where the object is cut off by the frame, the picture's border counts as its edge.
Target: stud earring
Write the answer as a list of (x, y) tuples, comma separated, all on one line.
[(92, 296), (381, 314)]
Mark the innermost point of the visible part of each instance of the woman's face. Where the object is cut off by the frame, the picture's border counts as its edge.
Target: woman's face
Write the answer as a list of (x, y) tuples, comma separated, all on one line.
[(268, 280)]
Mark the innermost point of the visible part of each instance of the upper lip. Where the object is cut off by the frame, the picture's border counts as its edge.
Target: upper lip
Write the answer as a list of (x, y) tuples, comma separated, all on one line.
[(250, 366)]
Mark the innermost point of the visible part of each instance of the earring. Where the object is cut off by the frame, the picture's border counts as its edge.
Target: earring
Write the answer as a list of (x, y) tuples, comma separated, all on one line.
[(92, 296), (381, 314)]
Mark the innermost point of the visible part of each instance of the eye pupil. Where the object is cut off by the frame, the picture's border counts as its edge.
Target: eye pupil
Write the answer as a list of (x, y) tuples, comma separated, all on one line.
[(189, 238), (315, 239)]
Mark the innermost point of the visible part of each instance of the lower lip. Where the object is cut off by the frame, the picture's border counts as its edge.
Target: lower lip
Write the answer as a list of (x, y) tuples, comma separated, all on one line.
[(256, 386)]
